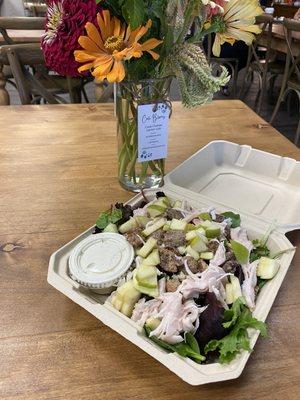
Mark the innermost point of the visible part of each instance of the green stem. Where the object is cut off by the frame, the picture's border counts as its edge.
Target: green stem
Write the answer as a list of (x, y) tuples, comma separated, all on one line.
[(143, 173), (199, 36)]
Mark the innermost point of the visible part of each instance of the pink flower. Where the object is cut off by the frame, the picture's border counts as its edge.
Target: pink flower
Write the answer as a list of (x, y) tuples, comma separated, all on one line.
[(65, 22), (215, 7)]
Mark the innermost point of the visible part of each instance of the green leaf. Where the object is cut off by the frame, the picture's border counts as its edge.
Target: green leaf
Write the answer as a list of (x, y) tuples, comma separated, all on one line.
[(109, 217), (239, 318), (154, 339), (103, 220), (259, 250), (232, 314), (192, 342), (184, 349), (261, 282), (240, 251), (116, 215), (235, 218), (134, 12)]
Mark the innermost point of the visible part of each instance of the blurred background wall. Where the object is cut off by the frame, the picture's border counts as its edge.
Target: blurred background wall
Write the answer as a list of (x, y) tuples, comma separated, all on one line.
[(12, 8)]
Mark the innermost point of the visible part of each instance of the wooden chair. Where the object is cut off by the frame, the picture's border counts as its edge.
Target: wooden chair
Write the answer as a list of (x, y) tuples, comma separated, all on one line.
[(230, 63), (265, 69), (19, 23), (32, 79), (53, 85), (35, 8), (291, 77)]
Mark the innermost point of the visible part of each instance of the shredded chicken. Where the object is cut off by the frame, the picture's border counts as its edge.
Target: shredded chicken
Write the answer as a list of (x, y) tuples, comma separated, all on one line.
[(140, 212), (145, 309), (249, 284), (202, 282), (162, 285), (219, 257), (176, 317), (191, 217)]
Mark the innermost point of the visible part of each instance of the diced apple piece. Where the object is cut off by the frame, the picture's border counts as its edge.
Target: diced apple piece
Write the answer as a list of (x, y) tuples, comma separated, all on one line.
[(152, 259), (163, 201), (154, 227), (116, 302), (182, 250), (147, 248), (153, 292), (206, 224), (236, 287), (112, 228), (191, 252), (229, 293), (125, 298), (166, 227), (146, 276), (213, 232), (156, 210), (233, 290), (200, 231), (207, 255), (128, 226), (198, 244), (152, 323), (142, 220), (190, 227), (191, 235), (178, 224), (177, 204), (267, 268), (205, 216)]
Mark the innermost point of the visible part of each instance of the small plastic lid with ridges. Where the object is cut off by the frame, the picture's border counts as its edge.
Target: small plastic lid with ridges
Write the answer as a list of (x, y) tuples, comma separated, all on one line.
[(100, 260)]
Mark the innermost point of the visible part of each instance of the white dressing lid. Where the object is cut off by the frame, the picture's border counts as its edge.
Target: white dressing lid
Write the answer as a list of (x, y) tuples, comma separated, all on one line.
[(100, 260)]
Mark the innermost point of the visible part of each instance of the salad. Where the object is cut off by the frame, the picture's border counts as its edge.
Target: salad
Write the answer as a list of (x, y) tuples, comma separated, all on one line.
[(195, 277)]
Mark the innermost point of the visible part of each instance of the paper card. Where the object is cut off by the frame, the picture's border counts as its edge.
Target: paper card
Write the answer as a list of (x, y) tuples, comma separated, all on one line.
[(153, 126)]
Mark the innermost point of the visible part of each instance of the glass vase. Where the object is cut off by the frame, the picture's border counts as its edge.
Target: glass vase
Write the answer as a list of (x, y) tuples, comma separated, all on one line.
[(135, 175)]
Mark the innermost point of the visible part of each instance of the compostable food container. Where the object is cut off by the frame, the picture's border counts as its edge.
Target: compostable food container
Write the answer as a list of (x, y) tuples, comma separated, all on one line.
[(263, 188)]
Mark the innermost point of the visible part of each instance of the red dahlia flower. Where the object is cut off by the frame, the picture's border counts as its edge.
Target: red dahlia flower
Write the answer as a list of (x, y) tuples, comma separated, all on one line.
[(65, 22)]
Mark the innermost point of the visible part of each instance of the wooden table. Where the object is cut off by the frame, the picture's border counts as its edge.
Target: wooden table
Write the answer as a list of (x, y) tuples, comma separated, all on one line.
[(278, 40), (58, 171)]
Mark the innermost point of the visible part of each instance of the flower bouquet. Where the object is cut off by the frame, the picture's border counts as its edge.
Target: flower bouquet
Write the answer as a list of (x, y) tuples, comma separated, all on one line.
[(141, 45)]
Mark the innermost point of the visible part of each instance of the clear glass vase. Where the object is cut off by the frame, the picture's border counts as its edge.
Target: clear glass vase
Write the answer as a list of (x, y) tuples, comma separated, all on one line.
[(135, 175)]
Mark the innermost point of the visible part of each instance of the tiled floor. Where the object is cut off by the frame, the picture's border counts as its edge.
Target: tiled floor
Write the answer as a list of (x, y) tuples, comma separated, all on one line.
[(285, 123)]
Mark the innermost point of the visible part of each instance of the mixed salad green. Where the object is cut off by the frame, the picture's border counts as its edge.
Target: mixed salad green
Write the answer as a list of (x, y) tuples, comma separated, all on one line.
[(195, 277)]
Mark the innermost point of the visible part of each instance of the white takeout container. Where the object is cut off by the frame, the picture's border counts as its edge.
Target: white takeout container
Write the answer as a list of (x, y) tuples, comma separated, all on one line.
[(262, 187)]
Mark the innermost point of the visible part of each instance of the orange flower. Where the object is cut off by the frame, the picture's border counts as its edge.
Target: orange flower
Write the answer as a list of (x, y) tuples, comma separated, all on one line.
[(105, 50)]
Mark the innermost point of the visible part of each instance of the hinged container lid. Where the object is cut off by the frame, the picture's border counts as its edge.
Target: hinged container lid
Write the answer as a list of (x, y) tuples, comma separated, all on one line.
[(244, 179), (100, 260)]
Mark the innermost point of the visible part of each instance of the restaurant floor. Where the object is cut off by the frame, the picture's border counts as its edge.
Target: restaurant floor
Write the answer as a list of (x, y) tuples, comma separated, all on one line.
[(284, 123)]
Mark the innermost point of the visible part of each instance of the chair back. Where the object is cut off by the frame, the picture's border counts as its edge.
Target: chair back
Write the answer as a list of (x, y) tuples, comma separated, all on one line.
[(19, 23), (20, 57), (265, 22), (292, 66), (35, 7)]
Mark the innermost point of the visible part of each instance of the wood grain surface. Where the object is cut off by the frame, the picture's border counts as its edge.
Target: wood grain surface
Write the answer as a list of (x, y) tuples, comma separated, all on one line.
[(58, 169)]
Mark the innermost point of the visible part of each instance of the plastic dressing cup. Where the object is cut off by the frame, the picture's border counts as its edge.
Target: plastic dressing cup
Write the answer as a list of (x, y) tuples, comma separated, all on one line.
[(99, 261)]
